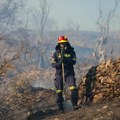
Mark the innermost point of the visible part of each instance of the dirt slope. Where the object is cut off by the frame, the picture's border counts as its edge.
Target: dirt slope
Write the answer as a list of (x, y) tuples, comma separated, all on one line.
[(99, 96), (103, 111)]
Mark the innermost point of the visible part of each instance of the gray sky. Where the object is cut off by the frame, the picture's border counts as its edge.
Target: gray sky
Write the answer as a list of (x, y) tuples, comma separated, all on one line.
[(82, 12)]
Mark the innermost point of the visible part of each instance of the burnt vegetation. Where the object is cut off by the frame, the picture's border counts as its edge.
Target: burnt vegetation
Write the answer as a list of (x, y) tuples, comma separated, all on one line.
[(26, 76)]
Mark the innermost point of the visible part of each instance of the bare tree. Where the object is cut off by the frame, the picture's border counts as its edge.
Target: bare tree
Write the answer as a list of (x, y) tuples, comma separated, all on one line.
[(9, 22), (104, 25), (8, 14), (40, 25)]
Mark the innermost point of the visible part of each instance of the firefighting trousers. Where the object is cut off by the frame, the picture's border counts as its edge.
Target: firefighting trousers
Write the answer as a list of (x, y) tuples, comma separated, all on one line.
[(71, 82)]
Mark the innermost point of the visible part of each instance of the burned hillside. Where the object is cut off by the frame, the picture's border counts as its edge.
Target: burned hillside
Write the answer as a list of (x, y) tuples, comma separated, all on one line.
[(99, 96)]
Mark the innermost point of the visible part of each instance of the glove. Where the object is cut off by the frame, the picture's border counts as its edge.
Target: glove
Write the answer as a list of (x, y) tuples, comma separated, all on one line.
[(59, 64), (65, 62)]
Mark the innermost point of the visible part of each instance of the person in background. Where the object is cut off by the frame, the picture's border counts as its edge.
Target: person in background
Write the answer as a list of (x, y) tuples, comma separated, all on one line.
[(64, 53)]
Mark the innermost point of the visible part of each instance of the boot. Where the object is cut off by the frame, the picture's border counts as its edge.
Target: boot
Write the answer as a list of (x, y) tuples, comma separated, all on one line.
[(60, 108), (59, 101), (74, 98)]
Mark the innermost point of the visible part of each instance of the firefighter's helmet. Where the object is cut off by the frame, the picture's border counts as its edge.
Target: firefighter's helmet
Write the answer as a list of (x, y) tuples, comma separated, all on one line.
[(62, 39)]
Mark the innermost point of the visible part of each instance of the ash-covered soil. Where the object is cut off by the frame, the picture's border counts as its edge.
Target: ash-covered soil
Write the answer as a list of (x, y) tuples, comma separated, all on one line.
[(109, 110)]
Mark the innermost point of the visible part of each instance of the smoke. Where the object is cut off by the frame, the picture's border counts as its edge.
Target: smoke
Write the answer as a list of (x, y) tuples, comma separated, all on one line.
[(43, 84)]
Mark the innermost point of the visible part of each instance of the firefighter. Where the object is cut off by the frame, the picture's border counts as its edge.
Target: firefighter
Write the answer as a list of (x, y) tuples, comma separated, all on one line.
[(64, 53)]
